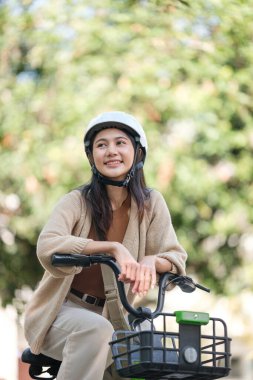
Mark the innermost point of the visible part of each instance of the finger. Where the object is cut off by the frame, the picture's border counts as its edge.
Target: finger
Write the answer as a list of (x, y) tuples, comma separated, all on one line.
[(134, 271), (153, 278), (141, 281), (129, 270), (136, 281), (126, 281), (147, 281), (123, 272)]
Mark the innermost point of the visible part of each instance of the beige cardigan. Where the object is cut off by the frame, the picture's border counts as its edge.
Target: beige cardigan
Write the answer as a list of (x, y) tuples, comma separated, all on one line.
[(66, 232)]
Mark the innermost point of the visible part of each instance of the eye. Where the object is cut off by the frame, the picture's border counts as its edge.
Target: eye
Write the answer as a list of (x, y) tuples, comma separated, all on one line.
[(101, 145), (121, 142)]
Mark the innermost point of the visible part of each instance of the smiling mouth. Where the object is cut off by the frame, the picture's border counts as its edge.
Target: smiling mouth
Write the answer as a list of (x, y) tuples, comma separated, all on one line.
[(113, 163)]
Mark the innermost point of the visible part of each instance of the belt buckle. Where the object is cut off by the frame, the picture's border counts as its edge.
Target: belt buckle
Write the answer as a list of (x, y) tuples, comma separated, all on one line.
[(90, 299)]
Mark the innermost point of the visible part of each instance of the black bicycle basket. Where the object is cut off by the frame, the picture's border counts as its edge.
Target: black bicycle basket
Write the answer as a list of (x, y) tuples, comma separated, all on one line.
[(183, 345)]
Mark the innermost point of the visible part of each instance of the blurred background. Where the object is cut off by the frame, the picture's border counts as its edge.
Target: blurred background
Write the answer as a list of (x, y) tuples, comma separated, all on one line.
[(184, 69)]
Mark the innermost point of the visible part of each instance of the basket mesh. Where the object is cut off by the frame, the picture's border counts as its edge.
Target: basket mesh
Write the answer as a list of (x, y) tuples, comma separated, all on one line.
[(158, 354)]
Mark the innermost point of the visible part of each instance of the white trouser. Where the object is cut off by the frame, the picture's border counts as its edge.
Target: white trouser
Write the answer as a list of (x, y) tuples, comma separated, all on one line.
[(79, 338)]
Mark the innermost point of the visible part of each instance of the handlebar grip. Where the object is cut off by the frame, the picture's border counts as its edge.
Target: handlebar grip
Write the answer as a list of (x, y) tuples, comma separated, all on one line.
[(203, 288), (65, 259)]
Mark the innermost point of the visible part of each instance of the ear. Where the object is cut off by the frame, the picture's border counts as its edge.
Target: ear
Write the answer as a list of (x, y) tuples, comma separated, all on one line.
[(140, 155), (90, 158)]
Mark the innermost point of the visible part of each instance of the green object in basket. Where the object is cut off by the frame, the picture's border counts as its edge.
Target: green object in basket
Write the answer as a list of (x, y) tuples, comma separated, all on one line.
[(191, 317)]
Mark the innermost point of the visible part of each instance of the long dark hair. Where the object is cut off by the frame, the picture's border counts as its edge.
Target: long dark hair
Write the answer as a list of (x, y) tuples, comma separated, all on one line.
[(99, 204)]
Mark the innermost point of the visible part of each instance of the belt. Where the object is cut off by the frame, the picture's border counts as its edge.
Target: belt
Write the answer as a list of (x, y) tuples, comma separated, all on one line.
[(87, 298)]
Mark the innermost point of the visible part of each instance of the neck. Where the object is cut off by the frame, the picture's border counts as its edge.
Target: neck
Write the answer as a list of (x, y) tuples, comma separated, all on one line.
[(117, 195)]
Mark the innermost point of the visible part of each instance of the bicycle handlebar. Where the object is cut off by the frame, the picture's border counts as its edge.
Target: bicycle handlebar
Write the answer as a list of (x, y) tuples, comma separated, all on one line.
[(185, 283)]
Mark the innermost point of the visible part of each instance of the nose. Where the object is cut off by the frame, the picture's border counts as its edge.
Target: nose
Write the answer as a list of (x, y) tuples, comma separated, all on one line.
[(111, 150)]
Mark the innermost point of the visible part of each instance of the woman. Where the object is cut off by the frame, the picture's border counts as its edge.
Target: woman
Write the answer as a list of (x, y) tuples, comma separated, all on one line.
[(71, 317)]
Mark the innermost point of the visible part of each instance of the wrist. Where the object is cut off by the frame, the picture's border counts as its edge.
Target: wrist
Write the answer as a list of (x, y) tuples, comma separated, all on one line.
[(114, 245), (163, 265)]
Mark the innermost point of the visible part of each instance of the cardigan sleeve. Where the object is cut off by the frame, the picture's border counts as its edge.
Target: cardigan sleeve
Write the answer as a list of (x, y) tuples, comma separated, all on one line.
[(161, 236), (57, 236)]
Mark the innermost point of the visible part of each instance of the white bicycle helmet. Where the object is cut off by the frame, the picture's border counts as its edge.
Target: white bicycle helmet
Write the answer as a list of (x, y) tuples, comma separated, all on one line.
[(121, 120)]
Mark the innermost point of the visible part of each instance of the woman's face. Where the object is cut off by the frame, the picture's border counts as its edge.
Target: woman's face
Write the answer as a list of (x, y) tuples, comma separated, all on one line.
[(113, 153)]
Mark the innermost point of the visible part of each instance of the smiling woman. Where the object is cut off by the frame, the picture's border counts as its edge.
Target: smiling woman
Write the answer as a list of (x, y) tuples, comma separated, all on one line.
[(115, 214)]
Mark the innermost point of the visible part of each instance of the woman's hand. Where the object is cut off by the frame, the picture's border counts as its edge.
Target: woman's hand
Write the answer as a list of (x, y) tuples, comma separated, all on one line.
[(146, 276), (142, 276), (128, 265)]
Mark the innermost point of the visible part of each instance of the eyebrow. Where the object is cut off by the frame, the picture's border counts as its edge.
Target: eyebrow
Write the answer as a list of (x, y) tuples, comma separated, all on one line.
[(115, 138)]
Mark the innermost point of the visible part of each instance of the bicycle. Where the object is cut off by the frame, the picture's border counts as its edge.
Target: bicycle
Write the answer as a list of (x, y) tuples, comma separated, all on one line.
[(192, 350)]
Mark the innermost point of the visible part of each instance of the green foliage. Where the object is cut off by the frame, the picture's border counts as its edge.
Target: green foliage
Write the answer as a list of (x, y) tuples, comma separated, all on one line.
[(183, 68)]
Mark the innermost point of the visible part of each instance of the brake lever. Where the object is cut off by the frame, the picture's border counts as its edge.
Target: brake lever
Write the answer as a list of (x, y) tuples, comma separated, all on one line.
[(187, 285)]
